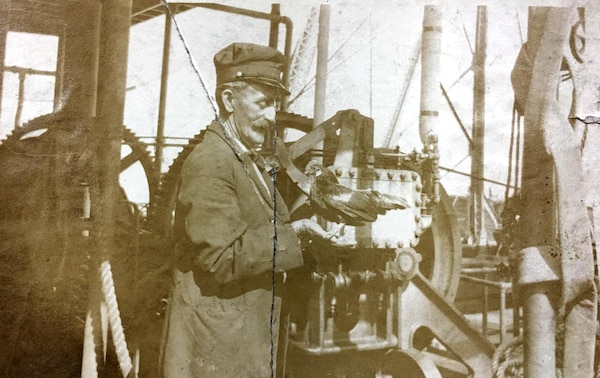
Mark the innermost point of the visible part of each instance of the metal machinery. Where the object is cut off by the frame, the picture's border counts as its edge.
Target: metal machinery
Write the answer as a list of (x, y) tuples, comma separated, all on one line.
[(384, 307)]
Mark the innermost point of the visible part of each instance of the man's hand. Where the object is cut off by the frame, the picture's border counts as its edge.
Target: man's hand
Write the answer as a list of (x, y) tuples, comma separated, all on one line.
[(313, 230)]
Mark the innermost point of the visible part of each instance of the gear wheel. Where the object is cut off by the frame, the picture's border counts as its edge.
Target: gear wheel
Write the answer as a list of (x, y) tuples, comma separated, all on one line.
[(45, 262)]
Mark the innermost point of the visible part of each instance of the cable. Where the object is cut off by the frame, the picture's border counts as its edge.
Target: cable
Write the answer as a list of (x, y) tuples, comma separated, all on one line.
[(309, 83), (192, 61)]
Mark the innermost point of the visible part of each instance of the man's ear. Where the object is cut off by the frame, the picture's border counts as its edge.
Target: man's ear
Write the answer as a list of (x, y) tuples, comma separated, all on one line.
[(228, 100)]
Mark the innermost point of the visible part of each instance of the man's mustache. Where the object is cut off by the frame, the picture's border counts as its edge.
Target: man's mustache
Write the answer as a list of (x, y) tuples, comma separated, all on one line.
[(264, 124)]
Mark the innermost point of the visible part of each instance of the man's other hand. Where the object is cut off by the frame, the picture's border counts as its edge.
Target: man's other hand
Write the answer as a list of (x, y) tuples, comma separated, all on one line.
[(313, 230)]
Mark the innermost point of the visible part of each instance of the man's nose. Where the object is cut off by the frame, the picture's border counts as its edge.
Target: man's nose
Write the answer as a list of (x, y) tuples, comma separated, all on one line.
[(270, 113)]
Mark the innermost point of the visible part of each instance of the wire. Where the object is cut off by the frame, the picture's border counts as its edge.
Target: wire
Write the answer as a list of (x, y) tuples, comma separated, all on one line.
[(519, 25), (192, 60), (475, 177), (466, 34), (309, 83), (456, 165)]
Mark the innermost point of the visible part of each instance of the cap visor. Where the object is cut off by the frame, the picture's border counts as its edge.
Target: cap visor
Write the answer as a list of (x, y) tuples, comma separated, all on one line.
[(276, 84)]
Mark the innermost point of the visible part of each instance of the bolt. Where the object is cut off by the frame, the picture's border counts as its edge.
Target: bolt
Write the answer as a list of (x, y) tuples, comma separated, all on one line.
[(377, 174), (418, 188), (339, 172), (414, 176), (390, 175), (402, 176), (401, 244), (418, 202), (351, 173), (417, 218)]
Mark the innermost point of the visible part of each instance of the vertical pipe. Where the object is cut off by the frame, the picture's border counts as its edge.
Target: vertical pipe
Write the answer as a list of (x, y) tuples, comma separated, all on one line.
[(430, 71), (501, 313), (59, 69), (83, 48), (539, 332), (112, 78), (430, 93), (321, 76), (81, 58), (274, 30), (115, 21), (289, 30), (20, 98), (162, 104), (486, 306), (477, 150), (4, 17)]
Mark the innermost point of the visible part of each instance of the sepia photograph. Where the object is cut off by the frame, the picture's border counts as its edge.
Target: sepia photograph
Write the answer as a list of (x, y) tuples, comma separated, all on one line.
[(297, 189)]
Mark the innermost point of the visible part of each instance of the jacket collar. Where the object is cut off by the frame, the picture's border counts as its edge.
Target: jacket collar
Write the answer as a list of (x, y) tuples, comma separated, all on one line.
[(247, 158)]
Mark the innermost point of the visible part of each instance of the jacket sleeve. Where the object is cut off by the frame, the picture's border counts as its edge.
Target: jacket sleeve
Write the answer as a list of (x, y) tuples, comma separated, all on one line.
[(222, 243)]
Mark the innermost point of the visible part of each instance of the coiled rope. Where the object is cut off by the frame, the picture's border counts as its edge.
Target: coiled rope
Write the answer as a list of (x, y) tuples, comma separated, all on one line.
[(114, 319), (508, 362)]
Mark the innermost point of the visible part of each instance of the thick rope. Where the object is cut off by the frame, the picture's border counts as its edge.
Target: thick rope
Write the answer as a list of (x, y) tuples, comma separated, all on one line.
[(114, 319), (507, 361)]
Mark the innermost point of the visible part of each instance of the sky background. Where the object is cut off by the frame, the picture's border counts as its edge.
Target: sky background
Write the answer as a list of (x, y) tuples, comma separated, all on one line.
[(370, 50)]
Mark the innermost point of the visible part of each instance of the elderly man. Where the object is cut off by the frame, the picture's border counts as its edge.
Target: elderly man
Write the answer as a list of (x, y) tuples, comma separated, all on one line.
[(235, 238)]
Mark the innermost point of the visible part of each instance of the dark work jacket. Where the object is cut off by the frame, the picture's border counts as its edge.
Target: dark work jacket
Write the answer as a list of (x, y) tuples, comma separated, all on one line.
[(223, 316)]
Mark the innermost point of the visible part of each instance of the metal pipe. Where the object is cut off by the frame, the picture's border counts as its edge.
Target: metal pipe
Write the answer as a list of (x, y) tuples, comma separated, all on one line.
[(234, 10), (430, 71), (539, 332), (20, 99), (80, 59), (274, 31), (321, 75), (430, 95), (59, 77), (104, 185), (4, 13), (289, 29), (477, 148), (162, 104)]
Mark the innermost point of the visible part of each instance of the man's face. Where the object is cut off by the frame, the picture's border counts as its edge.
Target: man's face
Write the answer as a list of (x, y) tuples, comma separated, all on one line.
[(254, 109)]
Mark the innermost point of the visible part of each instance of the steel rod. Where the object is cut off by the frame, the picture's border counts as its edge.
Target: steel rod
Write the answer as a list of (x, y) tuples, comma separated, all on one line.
[(321, 76), (478, 138), (162, 104)]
